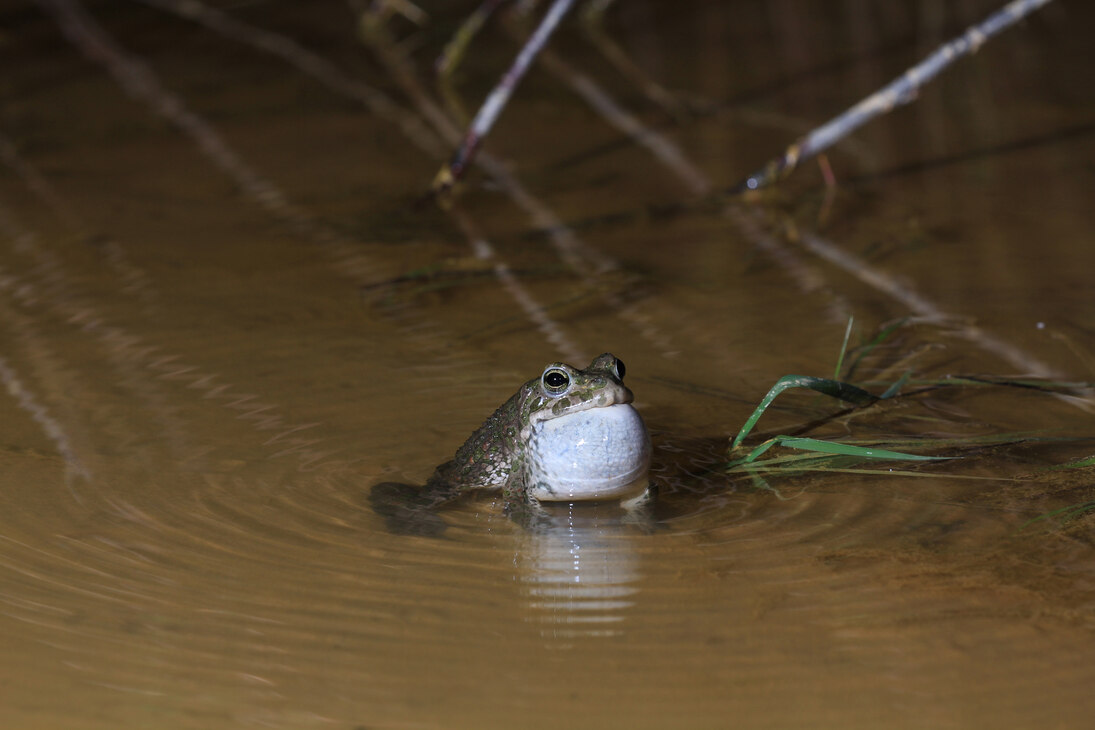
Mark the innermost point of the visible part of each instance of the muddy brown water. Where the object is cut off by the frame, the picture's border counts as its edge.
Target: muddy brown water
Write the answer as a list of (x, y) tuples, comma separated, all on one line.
[(223, 319)]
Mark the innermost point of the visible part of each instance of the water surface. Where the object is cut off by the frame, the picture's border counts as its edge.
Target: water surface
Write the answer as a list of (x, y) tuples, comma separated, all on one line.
[(223, 318)]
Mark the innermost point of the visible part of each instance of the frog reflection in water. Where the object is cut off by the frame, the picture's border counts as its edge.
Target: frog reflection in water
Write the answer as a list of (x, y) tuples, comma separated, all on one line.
[(568, 435)]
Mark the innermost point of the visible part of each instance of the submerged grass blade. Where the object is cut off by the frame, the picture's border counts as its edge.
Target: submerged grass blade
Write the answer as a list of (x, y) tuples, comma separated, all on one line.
[(866, 452), (1069, 512), (830, 455), (904, 473), (984, 381), (875, 342), (829, 448), (897, 385), (1077, 464), (832, 388), (843, 348), (954, 442)]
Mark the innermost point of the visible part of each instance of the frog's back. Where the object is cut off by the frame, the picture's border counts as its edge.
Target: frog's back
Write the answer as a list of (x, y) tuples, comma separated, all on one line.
[(493, 455)]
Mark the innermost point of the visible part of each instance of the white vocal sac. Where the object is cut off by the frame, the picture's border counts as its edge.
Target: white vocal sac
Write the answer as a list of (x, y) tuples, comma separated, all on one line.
[(596, 454)]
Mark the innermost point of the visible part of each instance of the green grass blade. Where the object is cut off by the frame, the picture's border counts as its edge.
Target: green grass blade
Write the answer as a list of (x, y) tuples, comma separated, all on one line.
[(878, 340), (1078, 464), (1072, 510), (901, 473), (954, 442), (752, 455), (832, 388), (843, 348), (898, 385), (817, 446), (866, 452)]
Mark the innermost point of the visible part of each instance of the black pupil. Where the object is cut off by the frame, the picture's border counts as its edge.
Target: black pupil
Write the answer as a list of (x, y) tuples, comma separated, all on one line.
[(620, 369), (556, 379)]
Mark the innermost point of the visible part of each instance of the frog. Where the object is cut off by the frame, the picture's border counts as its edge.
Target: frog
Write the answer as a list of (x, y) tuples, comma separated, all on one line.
[(569, 434)]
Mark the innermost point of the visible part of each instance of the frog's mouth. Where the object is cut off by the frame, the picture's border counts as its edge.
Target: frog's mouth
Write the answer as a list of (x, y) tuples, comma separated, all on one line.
[(578, 401)]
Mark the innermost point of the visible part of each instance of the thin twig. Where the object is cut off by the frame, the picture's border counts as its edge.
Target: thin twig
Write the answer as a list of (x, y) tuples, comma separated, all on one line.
[(578, 256), (453, 52), (898, 92), (496, 101)]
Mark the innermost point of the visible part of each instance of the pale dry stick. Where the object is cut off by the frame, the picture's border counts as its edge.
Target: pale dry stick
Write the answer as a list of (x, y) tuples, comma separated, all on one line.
[(670, 156), (808, 279), (310, 64), (587, 263), (569, 248), (346, 258), (666, 152), (496, 101), (579, 257), (898, 92), (330, 76), (660, 146), (574, 253), (590, 265)]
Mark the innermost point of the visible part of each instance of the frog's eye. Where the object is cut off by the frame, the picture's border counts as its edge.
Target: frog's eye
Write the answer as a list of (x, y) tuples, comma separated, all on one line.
[(619, 368), (555, 380)]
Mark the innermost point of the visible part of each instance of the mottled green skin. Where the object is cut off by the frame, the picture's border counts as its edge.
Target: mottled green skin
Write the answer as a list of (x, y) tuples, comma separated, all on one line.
[(495, 456)]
